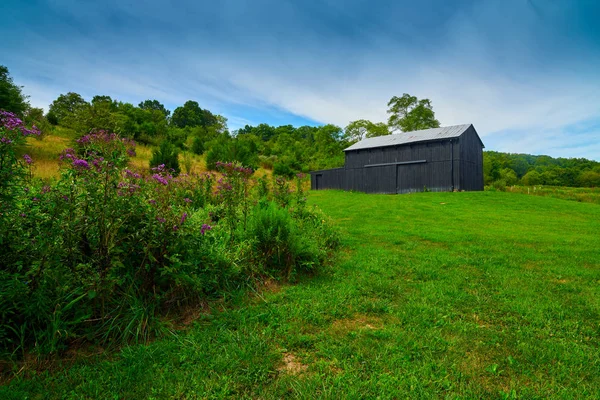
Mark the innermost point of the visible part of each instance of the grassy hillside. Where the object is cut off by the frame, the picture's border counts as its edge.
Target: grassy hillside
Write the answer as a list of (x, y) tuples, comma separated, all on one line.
[(46, 151), (437, 295)]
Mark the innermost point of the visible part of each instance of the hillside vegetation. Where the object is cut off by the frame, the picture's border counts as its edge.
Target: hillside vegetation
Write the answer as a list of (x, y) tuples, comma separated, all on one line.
[(436, 295)]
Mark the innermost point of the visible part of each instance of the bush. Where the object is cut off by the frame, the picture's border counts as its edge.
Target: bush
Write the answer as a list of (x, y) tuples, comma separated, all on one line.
[(198, 146), (98, 254), (168, 156), (283, 169), (499, 185)]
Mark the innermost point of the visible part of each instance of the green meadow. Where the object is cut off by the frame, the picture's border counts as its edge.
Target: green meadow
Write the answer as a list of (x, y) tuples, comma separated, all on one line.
[(433, 295)]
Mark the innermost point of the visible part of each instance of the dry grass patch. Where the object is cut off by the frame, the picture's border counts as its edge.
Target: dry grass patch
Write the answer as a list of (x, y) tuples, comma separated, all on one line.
[(357, 322), (291, 365)]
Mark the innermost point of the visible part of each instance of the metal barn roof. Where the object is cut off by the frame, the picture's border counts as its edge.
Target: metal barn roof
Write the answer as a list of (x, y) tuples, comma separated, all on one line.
[(410, 137)]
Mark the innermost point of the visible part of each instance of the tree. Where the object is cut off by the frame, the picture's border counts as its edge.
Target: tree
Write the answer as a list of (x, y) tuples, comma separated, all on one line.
[(531, 178), (362, 128), (35, 116), (509, 176), (589, 179), (190, 114), (411, 114), (11, 97), (154, 105), (66, 106)]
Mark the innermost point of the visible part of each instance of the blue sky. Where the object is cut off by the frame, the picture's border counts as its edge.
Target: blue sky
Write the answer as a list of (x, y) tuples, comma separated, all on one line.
[(524, 72)]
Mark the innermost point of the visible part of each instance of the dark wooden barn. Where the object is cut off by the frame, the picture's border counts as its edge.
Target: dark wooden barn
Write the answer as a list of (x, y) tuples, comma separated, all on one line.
[(438, 159)]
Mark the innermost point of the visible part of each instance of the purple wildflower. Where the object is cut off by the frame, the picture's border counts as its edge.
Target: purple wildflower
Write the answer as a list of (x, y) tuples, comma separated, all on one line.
[(27, 159), (5, 140), (205, 228), (23, 215), (46, 189), (160, 179), (68, 154), (35, 199), (161, 220), (152, 201), (183, 218), (187, 200), (82, 164), (175, 228)]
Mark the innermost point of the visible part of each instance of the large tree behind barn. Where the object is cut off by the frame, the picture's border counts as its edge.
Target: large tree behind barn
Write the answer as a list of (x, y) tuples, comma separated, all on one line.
[(437, 159)]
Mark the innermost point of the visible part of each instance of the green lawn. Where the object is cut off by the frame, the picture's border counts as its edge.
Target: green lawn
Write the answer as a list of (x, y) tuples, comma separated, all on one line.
[(434, 295)]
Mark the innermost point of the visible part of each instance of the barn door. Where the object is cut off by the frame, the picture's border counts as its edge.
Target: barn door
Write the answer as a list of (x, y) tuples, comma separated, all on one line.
[(318, 181), (406, 178)]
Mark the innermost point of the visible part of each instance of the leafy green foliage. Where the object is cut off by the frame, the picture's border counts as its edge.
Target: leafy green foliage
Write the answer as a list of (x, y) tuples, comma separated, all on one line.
[(531, 170), (407, 113), (65, 108), (101, 253), (154, 105), (167, 155), (12, 98), (362, 128), (190, 114), (226, 149)]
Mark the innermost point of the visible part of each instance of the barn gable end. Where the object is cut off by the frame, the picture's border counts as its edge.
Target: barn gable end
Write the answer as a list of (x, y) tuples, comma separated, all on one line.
[(439, 159)]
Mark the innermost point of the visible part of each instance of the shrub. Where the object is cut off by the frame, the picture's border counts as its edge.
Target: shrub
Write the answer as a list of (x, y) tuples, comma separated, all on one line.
[(98, 254), (499, 185), (283, 169), (198, 146), (168, 155)]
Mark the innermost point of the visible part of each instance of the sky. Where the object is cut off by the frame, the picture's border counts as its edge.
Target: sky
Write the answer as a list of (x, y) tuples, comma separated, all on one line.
[(526, 73)]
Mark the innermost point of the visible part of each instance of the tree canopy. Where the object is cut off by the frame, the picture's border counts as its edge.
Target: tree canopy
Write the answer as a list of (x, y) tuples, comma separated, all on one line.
[(190, 114), (11, 97), (407, 114), (66, 106), (362, 128)]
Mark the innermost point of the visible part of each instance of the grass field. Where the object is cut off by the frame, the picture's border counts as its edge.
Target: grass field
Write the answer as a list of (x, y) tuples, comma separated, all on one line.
[(435, 295), (587, 195)]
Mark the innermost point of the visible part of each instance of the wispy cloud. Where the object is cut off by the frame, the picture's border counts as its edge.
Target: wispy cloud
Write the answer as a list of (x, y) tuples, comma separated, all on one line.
[(521, 71)]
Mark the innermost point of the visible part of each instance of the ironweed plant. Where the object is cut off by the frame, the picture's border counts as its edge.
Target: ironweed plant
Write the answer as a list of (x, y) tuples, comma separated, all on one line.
[(103, 252)]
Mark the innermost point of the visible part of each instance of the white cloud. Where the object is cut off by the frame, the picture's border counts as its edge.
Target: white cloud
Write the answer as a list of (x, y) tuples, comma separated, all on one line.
[(491, 66)]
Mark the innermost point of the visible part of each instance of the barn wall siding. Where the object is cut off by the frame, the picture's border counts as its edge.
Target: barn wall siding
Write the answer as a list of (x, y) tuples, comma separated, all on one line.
[(444, 165)]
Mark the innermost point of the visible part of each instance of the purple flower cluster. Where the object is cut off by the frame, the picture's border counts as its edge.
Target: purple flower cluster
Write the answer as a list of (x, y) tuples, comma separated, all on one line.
[(183, 218), (68, 154), (127, 188), (81, 164), (232, 168), (27, 159), (161, 220), (205, 228), (13, 129), (11, 122), (104, 137), (160, 179), (224, 185), (97, 163), (131, 174)]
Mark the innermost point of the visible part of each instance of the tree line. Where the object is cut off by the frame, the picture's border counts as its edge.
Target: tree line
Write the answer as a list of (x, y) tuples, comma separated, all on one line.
[(284, 149)]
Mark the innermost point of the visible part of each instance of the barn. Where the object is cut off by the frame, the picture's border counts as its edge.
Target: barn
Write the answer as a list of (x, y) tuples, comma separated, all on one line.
[(438, 159)]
